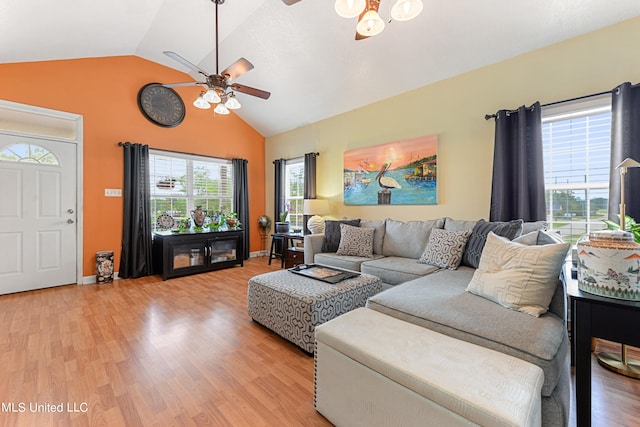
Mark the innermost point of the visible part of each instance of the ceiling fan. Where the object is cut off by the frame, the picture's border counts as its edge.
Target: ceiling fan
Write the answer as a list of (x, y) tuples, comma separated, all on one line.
[(369, 22), (220, 89)]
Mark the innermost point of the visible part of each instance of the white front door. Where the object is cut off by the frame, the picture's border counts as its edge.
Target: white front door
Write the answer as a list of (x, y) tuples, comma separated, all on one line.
[(37, 213)]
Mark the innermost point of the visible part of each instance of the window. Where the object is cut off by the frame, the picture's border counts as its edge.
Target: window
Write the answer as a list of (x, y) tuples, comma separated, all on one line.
[(28, 153), (294, 192), (180, 182), (577, 149)]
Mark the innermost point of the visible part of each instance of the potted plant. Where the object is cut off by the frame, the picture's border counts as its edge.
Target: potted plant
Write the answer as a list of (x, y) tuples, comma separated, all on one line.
[(232, 220), (264, 222), (282, 226)]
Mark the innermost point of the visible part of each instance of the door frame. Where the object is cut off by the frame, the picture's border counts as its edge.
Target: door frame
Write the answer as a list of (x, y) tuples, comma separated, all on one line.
[(43, 123)]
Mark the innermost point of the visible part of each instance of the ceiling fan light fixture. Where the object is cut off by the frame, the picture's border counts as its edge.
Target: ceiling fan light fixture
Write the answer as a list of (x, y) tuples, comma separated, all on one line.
[(211, 96), (201, 103), (232, 103), (350, 8), (371, 24), (405, 10), (221, 109)]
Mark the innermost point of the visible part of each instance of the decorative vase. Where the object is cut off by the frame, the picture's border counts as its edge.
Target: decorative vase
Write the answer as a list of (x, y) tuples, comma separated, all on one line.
[(609, 265), (198, 216), (282, 227)]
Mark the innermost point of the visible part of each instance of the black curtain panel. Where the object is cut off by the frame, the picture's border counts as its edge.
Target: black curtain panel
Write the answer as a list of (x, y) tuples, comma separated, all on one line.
[(625, 143), (278, 186), (241, 199), (309, 182), (517, 189), (135, 258)]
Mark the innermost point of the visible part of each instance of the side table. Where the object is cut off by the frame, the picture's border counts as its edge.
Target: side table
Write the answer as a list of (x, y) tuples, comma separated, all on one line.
[(284, 249), (593, 316)]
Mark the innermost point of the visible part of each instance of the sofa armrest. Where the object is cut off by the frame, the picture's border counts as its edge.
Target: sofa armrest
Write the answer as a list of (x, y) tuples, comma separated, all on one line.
[(312, 246)]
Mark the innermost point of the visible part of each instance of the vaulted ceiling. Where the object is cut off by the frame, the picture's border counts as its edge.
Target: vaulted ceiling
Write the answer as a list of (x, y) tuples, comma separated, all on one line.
[(304, 54)]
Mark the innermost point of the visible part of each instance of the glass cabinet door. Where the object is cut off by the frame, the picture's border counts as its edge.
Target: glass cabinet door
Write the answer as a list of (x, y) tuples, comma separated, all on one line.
[(184, 255), (223, 250)]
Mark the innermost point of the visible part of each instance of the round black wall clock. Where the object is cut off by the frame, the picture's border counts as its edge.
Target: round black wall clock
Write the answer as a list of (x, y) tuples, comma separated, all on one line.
[(161, 105)]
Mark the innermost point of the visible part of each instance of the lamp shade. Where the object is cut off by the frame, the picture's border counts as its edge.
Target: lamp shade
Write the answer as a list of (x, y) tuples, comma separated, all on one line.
[(349, 8), (221, 109), (201, 103), (315, 206), (405, 10), (371, 24), (211, 96)]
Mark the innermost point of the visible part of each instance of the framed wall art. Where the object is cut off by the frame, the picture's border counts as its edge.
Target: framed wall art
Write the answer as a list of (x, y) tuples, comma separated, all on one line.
[(396, 173)]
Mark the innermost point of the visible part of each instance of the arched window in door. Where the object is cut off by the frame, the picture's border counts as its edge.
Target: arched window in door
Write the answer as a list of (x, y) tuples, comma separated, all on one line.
[(28, 153)]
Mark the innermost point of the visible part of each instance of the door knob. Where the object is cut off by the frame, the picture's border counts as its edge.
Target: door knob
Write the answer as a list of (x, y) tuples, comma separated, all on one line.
[(69, 221)]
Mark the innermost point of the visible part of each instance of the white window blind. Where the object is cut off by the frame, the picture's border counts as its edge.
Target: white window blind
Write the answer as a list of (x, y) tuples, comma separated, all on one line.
[(294, 192), (577, 146), (180, 182)]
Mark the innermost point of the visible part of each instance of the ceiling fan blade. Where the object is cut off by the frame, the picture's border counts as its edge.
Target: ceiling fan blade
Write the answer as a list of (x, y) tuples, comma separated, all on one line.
[(250, 91), (290, 2), (184, 84), (237, 69), (184, 62), (360, 36)]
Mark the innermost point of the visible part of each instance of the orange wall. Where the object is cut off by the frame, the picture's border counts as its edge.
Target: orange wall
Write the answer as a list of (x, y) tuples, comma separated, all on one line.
[(104, 91)]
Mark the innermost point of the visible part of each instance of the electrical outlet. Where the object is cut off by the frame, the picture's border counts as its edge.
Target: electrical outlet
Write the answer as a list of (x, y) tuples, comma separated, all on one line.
[(112, 192)]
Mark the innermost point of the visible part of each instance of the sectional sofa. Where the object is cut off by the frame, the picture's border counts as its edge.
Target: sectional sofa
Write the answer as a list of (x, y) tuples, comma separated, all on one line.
[(447, 275)]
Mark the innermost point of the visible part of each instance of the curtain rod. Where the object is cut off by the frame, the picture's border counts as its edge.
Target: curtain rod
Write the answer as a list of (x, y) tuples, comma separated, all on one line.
[(316, 154), (123, 144), (493, 116)]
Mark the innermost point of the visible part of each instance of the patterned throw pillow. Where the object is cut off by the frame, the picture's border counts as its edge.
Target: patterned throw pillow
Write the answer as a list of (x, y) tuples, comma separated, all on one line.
[(355, 241), (445, 248), (510, 230), (519, 277), (332, 233)]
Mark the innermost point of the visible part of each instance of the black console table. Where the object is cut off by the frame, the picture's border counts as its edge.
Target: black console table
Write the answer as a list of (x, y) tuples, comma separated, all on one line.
[(593, 316), (187, 253)]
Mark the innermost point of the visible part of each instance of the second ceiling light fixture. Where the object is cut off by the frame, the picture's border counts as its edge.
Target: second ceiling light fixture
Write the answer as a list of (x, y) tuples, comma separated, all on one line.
[(369, 21)]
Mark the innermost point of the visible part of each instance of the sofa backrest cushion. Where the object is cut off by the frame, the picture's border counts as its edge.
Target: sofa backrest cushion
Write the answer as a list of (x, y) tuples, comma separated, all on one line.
[(332, 234), (378, 234), (473, 251), (517, 276), (451, 224), (408, 239)]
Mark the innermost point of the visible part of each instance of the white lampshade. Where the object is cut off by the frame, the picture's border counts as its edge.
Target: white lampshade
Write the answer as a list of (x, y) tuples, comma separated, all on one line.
[(211, 96), (232, 103), (405, 10), (315, 206), (221, 109), (370, 24), (350, 8), (201, 103)]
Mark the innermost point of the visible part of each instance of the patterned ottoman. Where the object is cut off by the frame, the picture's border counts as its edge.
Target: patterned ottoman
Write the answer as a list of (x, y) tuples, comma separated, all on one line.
[(292, 305)]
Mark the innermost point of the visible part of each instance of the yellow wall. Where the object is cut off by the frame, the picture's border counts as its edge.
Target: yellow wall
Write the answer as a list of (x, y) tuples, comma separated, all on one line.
[(104, 91), (454, 109)]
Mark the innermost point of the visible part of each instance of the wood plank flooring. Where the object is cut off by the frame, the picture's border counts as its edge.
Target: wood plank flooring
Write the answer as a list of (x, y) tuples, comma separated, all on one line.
[(182, 352)]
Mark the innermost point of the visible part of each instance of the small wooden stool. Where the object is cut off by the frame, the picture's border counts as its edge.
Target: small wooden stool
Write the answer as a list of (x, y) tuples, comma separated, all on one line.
[(278, 248)]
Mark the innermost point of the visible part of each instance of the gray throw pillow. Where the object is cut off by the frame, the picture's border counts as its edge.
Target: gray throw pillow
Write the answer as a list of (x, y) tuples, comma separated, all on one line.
[(472, 253), (355, 241), (445, 248), (332, 233)]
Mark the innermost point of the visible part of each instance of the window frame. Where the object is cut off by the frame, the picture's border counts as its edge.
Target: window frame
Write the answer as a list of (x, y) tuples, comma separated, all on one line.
[(564, 112), (294, 203)]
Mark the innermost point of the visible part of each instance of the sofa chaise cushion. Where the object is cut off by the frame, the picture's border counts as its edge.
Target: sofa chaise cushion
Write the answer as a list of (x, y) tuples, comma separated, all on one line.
[(439, 302), (395, 270)]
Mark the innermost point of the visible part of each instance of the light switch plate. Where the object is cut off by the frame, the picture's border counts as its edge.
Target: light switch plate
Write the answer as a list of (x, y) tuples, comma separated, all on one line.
[(113, 192)]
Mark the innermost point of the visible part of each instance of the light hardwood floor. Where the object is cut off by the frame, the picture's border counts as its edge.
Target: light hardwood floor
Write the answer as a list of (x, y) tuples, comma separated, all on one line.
[(180, 352)]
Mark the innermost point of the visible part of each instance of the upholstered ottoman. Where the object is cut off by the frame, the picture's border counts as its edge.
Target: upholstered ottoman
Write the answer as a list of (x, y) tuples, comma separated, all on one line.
[(292, 305), (374, 369)]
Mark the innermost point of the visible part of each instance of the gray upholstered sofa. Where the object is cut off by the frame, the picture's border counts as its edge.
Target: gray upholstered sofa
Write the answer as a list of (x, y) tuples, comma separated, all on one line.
[(436, 298)]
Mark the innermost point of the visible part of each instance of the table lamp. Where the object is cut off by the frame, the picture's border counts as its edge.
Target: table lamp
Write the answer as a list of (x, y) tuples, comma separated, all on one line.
[(315, 207)]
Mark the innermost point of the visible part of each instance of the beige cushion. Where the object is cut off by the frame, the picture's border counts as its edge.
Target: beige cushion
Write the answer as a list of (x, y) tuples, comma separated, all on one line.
[(355, 241), (516, 276), (445, 248)]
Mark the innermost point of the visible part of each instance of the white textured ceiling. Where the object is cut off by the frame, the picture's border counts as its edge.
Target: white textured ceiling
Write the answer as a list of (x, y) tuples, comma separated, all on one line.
[(304, 54)]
